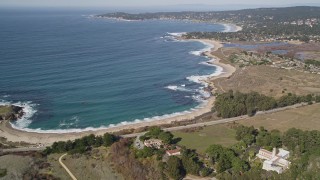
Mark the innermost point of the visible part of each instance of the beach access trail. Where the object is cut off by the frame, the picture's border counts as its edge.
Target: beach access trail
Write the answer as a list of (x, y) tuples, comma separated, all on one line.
[(66, 168)]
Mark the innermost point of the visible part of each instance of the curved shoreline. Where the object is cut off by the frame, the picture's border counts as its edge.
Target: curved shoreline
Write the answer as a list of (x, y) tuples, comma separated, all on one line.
[(47, 137), (16, 135)]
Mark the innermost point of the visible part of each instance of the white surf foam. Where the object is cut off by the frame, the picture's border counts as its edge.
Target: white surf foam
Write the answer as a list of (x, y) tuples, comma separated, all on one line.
[(229, 28), (207, 48), (201, 98), (177, 34), (200, 79), (154, 118), (69, 123), (178, 88), (29, 110)]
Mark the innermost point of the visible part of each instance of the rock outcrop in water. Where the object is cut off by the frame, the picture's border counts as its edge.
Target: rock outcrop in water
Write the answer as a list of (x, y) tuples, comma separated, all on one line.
[(10, 112)]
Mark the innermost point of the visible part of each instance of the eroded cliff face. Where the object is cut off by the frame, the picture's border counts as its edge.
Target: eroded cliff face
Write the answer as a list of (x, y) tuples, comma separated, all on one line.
[(10, 112)]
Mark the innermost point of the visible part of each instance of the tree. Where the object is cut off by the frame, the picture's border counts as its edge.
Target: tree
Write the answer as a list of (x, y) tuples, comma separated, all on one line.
[(215, 152), (166, 137), (145, 152), (190, 162), (239, 165), (108, 139), (153, 132), (175, 168)]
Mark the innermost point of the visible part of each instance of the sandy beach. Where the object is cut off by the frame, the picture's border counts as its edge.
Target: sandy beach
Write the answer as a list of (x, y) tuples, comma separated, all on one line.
[(48, 138)]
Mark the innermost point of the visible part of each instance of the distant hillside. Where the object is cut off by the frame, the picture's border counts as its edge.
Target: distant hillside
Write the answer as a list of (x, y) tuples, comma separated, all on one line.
[(262, 24), (237, 16)]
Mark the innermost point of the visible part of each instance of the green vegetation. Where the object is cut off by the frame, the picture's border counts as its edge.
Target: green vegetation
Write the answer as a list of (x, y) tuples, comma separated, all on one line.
[(175, 168), (3, 172), (233, 104), (312, 62), (237, 162), (81, 145), (157, 133), (199, 139)]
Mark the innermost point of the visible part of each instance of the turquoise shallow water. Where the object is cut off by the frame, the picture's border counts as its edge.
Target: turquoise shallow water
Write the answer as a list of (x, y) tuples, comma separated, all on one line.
[(74, 72)]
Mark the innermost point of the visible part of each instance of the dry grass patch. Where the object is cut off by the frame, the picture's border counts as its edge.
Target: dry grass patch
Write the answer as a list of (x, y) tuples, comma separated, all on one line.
[(305, 118), (95, 164), (270, 81), (15, 165)]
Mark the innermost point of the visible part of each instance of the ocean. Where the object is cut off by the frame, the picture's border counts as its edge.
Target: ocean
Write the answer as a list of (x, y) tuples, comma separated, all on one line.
[(71, 71)]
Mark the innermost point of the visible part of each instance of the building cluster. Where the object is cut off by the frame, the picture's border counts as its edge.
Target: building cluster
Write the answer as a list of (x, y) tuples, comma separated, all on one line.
[(158, 144), (309, 22), (297, 65), (248, 58), (274, 161)]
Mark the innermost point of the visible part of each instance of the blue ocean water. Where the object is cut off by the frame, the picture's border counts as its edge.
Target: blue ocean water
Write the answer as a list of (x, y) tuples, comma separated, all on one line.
[(74, 72)]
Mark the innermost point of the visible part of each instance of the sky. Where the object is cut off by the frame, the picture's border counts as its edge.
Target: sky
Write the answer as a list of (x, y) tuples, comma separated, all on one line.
[(148, 3)]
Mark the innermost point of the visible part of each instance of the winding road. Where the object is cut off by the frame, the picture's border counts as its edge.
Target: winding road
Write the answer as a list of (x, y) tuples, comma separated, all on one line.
[(66, 168)]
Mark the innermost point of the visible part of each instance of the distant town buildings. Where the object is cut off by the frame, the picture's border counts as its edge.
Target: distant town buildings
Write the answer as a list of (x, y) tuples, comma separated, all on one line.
[(273, 161)]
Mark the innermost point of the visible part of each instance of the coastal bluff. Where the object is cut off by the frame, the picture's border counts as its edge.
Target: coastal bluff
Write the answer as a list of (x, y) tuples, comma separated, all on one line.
[(10, 112)]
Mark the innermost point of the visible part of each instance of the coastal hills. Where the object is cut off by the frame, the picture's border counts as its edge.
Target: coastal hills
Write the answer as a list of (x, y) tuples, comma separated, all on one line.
[(267, 98)]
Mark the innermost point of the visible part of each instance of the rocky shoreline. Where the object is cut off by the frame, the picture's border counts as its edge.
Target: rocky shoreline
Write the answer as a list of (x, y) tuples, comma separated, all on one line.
[(10, 112)]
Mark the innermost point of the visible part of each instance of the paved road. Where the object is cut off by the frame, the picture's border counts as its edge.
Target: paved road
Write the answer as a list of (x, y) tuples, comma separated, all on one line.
[(209, 123), (66, 168), (23, 149), (222, 121)]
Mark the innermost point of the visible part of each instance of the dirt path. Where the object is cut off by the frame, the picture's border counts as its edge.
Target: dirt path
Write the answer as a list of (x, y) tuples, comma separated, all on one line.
[(66, 168)]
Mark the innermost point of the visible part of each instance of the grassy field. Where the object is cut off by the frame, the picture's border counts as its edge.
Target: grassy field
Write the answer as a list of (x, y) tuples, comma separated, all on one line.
[(305, 118), (270, 81), (202, 139)]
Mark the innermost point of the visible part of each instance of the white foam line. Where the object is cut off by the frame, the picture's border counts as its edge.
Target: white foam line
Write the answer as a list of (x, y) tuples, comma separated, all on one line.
[(230, 28), (197, 79), (28, 110), (155, 118)]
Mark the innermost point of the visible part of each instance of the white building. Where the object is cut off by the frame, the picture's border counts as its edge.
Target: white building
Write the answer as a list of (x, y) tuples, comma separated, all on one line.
[(174, 152), (273, 161)]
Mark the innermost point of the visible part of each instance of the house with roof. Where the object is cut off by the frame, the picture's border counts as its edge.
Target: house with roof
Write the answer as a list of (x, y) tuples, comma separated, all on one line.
[(274, 161), (174, 152)]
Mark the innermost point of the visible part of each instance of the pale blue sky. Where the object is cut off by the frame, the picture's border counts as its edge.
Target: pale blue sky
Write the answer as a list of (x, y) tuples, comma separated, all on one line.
[(141, 3)]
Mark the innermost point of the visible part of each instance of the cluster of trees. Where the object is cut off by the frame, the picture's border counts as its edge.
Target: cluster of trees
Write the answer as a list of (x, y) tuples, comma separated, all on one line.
[(148, 152), (303, 145), (175, 167), (81, 145), (187, 163), (233, 104), (155, 133), (260, 137), (302, 141), (158, 133), (236, 162), (225, 158)]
